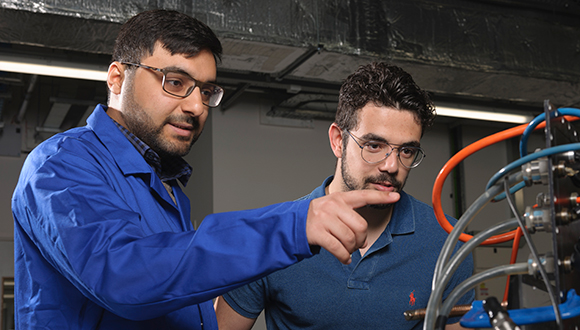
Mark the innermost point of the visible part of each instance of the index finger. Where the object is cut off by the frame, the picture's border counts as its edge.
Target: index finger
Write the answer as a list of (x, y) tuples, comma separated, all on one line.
[(359, 198)]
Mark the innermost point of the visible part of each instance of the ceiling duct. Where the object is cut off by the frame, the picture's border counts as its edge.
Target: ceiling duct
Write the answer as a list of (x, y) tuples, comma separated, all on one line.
[(483, 35), (512, 51)]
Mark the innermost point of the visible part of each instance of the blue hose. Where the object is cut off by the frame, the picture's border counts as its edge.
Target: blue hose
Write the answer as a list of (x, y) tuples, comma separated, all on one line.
[(518, 163), (536, 121)]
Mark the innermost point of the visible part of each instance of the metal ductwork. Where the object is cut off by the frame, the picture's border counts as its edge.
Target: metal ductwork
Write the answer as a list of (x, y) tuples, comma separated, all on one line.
[(514, 52)]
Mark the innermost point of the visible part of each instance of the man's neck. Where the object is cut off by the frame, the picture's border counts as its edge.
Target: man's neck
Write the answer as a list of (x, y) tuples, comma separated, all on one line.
[(116, 115)]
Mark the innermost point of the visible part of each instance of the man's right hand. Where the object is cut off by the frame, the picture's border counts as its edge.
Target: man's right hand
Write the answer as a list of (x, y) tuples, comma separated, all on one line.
[(333, 223)]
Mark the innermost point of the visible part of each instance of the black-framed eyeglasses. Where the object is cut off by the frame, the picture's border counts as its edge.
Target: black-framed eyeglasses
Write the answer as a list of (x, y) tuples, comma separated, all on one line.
[(374, 152), (181, 84)]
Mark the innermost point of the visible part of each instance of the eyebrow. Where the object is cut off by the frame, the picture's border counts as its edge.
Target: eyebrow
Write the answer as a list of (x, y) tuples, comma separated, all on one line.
[(180, 70), (377, 138)]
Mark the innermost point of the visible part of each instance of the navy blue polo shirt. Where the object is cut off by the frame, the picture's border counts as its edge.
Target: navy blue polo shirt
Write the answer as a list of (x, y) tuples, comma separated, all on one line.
[(372, 292)]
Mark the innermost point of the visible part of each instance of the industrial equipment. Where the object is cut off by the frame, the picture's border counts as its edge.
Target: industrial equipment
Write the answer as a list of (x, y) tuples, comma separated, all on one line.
[(556, 211)]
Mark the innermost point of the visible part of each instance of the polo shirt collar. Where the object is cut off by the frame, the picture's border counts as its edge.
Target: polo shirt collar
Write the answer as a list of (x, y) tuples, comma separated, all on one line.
[(403, 218)]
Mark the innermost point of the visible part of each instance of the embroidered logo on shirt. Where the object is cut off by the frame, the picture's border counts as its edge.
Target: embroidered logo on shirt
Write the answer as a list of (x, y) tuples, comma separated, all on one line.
[(412, 298)]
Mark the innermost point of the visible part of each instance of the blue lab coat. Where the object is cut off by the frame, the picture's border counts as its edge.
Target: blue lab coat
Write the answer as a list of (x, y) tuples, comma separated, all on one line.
[(99, 243)]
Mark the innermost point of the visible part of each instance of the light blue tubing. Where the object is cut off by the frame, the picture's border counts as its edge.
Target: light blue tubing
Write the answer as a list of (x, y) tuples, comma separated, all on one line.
[(465, 250), (513, 190), (449, 245), (536, 121), (469, 246), (461, 289)]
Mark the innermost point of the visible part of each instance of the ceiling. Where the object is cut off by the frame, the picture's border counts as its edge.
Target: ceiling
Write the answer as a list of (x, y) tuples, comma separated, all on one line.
[(496, 53)]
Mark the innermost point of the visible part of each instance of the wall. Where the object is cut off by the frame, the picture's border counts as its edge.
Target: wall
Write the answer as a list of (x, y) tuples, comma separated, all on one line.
[(257, 165), (199, 189), (10, 169)]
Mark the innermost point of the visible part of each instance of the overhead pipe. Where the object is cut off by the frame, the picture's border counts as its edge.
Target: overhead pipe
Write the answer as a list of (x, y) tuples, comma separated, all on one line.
[(301, 59), (24, 105)]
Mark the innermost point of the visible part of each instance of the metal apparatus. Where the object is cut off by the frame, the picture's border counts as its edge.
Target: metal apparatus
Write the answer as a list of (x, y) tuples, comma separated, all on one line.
[(556, 211)]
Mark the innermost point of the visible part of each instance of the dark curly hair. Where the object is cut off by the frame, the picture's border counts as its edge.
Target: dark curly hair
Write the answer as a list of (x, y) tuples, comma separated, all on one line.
[(384, 85), (177, 32)]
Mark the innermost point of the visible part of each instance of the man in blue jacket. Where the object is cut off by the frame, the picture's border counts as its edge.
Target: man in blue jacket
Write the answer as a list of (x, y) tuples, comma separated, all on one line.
[(102, 234), (381, 117)]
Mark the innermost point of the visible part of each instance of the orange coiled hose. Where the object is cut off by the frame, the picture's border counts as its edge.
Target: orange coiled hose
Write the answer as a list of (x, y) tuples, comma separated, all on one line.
[(458, 158)]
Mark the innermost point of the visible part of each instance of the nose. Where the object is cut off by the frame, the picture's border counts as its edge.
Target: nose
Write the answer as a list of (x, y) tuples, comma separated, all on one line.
[(193, 104), (391, 163)]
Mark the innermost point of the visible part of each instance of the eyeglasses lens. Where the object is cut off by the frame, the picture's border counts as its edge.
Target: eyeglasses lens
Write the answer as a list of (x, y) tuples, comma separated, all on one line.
[(182, 85), (177, 84), (409, 157)]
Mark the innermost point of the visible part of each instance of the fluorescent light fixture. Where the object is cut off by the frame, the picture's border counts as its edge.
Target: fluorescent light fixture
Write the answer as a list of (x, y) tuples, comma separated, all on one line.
[(459, 111), (46, 67)]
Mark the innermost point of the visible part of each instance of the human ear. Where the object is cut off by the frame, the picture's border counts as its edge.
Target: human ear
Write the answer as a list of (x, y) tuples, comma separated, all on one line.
[(115, 77), (335, 138)]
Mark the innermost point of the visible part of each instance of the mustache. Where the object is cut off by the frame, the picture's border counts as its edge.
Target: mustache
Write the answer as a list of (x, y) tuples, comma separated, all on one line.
[(385, 177), (193, 121)]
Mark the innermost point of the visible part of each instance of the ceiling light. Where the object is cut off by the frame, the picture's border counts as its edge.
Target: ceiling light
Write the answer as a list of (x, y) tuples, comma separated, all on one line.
[(53, 68), (479, 114)]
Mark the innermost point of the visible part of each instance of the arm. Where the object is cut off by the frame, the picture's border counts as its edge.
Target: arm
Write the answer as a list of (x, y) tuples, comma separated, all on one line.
[(229, 319), (93, 224), (126, 249)]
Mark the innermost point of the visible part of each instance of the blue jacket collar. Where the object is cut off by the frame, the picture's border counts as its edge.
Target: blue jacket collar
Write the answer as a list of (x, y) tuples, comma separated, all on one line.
[(126, 156)]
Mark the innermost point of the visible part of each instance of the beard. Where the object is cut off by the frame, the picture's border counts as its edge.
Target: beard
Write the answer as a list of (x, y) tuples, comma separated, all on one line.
[(350, 183), (140, 123)]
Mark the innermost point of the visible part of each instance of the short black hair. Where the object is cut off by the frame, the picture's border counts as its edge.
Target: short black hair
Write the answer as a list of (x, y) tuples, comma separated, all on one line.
[(384, 85), (178, 33)]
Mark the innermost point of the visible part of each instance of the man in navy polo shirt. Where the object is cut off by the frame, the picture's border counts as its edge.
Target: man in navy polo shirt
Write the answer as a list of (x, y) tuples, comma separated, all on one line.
[(381, 117)]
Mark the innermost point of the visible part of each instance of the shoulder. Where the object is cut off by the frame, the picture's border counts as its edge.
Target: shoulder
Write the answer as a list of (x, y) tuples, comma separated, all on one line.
[(76, 144), (415, 203), (73, 142), (422, 211), (428, 225), (78, 150), (318, 191)]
